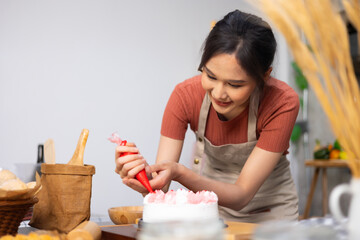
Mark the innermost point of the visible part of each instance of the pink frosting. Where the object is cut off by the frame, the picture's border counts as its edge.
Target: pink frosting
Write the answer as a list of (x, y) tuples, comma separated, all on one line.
[(202, 197), (115, 138), (170, 197), (157, 197), (191, 198)]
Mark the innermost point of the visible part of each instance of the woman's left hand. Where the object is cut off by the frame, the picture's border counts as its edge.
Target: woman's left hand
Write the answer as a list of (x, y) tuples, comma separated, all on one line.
[(166, 171)]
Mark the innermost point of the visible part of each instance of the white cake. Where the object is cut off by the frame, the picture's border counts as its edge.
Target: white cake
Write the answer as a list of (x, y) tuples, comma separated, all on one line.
[(180, 205)]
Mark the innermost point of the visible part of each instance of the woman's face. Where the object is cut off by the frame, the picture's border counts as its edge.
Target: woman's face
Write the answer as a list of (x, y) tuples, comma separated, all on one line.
[(228, 85)]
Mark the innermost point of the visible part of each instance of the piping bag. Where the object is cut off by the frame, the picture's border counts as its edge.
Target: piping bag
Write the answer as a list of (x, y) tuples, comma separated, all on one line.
[(140, 176)]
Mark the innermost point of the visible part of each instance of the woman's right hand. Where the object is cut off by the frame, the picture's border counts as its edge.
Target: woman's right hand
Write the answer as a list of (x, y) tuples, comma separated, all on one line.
[(128, 165)]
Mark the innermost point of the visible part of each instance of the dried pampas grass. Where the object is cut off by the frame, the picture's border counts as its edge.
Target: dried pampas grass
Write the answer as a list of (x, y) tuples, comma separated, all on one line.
[(317, 36)]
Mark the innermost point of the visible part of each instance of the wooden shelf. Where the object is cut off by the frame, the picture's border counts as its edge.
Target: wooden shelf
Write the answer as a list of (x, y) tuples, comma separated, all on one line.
[(325, 163)]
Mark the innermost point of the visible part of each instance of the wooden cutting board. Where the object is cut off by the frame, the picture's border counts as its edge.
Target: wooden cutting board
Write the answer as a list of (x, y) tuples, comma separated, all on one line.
[(234, 231), (119, 232), (239, 230)]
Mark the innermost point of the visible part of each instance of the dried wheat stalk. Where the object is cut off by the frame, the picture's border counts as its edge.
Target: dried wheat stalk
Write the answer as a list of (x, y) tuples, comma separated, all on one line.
[(324, 57)]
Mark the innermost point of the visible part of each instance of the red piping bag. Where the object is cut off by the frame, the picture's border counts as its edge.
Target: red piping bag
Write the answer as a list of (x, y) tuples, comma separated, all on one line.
[(140, 176)]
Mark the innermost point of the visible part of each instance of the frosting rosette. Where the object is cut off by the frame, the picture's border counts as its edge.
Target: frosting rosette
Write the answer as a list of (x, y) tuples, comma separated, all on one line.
[(181, 196)]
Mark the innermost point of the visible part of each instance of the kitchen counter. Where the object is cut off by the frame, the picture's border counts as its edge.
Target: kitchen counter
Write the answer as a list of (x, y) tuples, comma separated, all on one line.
[(324, 228), (233, 231)]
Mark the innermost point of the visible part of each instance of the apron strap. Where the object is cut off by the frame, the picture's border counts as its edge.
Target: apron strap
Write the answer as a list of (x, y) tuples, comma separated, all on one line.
[(200, 135), (204, 111), (252, 118)]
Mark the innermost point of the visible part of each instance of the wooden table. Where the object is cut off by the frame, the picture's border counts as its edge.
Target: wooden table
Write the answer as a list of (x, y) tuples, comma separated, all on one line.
[(321, 165), (233, 231)]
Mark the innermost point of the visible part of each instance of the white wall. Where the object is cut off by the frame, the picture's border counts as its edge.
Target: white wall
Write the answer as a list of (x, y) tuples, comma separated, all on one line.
[(103, 65)]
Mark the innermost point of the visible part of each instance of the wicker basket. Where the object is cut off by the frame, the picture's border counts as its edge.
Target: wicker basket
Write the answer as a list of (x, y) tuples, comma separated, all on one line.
[(12, 213)]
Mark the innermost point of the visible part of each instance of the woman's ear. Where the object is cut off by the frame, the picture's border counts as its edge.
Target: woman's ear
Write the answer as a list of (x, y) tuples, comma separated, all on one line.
[(267, 74)]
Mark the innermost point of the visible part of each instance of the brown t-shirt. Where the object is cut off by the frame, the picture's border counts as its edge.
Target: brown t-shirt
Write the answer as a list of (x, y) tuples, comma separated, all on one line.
[(278, 110)]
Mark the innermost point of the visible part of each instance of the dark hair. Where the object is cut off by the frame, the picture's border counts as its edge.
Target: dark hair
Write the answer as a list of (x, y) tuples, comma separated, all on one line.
[(248, 37)]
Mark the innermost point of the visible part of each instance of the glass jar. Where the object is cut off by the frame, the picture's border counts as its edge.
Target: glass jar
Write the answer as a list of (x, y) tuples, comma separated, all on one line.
[(284, 230)]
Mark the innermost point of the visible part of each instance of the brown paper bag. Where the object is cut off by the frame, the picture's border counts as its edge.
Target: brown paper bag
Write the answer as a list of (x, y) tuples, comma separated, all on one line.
[(64, 200)]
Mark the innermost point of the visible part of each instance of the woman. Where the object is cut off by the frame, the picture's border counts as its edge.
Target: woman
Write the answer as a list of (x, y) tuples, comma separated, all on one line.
[(242, 118)]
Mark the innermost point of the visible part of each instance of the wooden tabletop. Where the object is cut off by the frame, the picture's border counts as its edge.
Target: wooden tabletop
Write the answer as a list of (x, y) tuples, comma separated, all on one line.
[(233, 231), (325, 163)]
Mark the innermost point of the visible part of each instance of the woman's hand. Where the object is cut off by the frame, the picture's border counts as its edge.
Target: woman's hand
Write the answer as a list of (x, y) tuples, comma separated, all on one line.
[(128, 165), (165, 172)]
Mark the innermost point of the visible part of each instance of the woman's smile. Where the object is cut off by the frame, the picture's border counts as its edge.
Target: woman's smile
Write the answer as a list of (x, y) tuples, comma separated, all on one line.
[(221, 103)]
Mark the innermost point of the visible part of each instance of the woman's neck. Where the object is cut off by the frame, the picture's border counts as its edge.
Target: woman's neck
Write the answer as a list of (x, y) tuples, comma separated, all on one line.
[(221, 117)]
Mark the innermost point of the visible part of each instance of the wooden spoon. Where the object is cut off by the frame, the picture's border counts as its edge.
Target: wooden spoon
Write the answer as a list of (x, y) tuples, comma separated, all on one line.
[(78, 157), (49, 151)]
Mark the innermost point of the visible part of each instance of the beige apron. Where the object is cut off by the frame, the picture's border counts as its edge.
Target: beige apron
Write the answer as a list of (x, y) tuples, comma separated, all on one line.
[(276, 198)]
